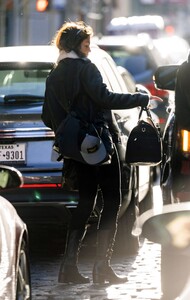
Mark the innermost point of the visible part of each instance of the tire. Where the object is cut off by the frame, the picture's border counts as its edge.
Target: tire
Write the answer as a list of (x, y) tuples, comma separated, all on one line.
[(23, 291), (174, 272)]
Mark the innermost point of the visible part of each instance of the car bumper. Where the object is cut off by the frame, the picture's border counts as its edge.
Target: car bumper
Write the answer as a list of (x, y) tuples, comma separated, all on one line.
[(45, 205)]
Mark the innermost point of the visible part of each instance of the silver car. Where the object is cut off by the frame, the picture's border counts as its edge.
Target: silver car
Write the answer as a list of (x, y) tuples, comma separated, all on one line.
[(15, 281), (26, 143)]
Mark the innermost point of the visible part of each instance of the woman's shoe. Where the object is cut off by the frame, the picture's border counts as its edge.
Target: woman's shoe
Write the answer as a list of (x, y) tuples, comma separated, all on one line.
[(103, 273), (70, 274)]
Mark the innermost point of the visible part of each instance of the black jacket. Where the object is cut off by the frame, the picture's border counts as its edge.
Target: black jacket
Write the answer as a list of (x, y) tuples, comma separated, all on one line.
[(76, 84), (182, 95)]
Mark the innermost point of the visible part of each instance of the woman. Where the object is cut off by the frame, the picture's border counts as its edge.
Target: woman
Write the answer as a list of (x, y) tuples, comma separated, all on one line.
[(75, 81)]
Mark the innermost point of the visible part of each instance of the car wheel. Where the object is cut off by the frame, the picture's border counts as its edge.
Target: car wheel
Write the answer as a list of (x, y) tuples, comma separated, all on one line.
[(174, 272), (23, 275)]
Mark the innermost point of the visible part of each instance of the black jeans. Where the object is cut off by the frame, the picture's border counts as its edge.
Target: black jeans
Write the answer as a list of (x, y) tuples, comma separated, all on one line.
[(107, 178)]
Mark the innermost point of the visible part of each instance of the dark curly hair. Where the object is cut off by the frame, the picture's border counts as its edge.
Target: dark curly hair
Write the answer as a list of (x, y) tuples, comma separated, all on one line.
[(70, 36)]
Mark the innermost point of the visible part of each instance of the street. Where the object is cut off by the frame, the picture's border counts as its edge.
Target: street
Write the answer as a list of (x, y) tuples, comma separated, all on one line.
[(143, 271)]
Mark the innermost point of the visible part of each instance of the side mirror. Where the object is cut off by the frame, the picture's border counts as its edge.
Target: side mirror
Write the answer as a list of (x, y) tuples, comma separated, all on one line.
[(10, 177), (165, 77)]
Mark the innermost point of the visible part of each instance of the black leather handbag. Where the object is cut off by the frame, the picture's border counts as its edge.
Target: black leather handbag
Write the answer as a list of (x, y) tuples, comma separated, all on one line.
[(144, 145)]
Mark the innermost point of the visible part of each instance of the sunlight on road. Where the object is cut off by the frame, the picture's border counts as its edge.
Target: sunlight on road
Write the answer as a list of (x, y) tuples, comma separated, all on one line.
[(113, 292), (146, 272)]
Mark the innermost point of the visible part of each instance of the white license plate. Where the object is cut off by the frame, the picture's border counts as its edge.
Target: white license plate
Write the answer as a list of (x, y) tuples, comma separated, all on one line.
[(12, 152)]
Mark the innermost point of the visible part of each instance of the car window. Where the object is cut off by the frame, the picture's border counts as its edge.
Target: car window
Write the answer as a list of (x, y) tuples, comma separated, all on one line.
[(139, 61), (135, 62), (111, 75), (22, 81), (128, 79)]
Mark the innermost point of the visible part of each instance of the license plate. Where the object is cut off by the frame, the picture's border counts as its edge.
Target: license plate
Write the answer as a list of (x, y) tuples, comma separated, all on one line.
[(12, 152)]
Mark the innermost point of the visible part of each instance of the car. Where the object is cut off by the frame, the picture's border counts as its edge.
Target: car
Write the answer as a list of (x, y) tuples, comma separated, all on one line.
[(14, 243), (173, 48), (27, 144), (151, 24), (138, 54)]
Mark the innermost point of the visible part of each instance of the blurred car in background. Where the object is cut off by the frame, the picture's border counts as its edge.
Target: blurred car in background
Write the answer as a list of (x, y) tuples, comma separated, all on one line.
[(14, 245), (26, 143), (173, 49), (150, 24), (141, 58)]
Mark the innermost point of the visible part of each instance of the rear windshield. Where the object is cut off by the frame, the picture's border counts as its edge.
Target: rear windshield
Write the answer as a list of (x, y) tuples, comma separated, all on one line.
[(23, 79)]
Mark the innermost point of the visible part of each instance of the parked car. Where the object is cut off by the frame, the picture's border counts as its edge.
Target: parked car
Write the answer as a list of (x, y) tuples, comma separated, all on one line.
[(141, 58), (25, 142), (14, 245), (151, 24)]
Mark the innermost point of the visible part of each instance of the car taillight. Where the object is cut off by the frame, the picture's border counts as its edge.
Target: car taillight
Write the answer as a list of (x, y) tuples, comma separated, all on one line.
[(42, 185), (185, 135), (160, 93)]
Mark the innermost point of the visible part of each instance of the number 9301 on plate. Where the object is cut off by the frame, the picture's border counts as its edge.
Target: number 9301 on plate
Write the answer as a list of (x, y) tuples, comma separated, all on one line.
[(12, 152)]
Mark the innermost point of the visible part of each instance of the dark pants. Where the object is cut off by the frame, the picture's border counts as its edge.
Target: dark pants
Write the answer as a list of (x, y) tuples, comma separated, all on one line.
[(90, 179)]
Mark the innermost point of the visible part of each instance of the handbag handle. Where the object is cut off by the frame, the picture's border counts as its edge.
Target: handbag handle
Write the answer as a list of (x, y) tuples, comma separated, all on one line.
[(147, 112), (157, 127)]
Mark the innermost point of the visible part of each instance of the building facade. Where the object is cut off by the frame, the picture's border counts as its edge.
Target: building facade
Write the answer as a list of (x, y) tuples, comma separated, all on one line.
[(21, 22)]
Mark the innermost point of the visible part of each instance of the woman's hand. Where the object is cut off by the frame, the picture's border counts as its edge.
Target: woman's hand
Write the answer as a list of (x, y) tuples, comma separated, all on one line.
[(156, 98)]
